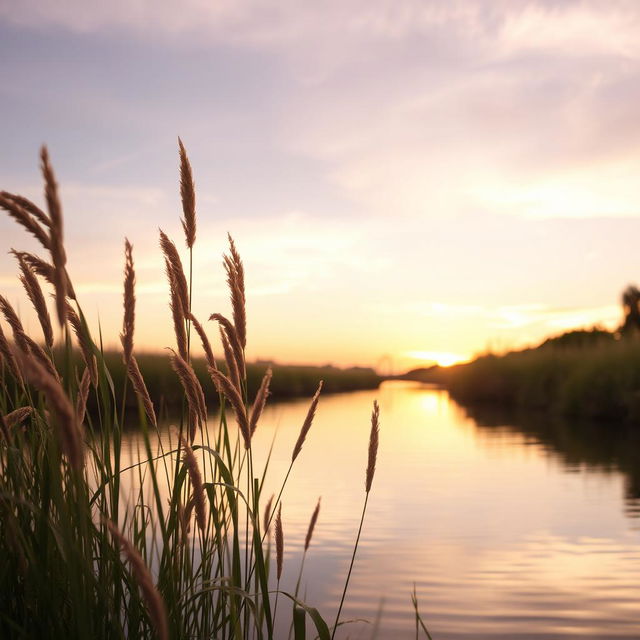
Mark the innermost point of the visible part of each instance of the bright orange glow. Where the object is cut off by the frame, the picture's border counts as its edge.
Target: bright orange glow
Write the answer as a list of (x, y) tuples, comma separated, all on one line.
[(441, 358)]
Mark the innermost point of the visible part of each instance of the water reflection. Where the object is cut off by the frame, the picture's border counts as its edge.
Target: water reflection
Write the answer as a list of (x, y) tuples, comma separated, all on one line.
[(508, 531), (604, 447)]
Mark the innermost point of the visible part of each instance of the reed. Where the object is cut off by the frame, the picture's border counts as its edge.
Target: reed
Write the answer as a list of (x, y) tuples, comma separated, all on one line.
[(231, 393), (279, 544), (4, 428), (259, 402), (84, 342), (96, 547), (204, 339), (129, 316), (28, 206), (192, 390), (83, 394), (14, 208), (307, 542), (70, 438), (7, 357), (279, 536), (196, 482), (230, 359), (157, 609), (374, 439), (235, 278), (44, 269), (371, 469), (188, 195), (267, 514), (56, 240), (233, 339), (19, 336), (34, 291), (177, 305), (306, 425), (16, 417), (38, 352), (141, 390), (312, 526), (175, 272), (22, 340)]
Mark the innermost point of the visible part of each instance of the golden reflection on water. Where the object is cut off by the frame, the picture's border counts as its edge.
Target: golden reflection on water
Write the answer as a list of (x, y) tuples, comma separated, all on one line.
[(500, 535)]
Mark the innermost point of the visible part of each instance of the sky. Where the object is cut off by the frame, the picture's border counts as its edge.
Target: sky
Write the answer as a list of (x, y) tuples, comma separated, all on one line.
[(406, 180)]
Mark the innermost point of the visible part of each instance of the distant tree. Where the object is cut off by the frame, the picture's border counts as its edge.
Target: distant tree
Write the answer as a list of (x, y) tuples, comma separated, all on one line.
[(631, 305)]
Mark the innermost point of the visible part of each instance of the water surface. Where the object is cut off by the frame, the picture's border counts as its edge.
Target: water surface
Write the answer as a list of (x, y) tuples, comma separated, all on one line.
[(505, 533)]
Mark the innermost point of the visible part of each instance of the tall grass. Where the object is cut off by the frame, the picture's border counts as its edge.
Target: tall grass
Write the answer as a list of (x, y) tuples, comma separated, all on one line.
[(171, 544), (599, 380), (288, 380)]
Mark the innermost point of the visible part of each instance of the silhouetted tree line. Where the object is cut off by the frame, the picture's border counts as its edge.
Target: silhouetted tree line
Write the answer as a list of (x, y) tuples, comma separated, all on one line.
[(631, 306), (583, 337), (580, 338)]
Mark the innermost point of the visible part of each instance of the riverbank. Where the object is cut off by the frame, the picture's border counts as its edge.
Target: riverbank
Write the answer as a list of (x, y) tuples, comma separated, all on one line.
[(597, 381), (289, 381)]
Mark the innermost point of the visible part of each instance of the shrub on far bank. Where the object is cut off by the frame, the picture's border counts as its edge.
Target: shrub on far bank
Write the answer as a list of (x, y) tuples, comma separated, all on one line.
[(596, 379)]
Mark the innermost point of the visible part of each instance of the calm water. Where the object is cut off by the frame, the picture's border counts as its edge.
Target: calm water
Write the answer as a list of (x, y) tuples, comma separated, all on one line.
[(507, 532)]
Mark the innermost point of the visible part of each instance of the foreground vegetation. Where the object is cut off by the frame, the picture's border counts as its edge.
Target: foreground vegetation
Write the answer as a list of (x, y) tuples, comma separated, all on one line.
[(177, 544)]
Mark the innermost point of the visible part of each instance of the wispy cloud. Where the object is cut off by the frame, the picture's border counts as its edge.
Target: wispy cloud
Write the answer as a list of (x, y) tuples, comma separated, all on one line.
[(518, 324), (576, 29)]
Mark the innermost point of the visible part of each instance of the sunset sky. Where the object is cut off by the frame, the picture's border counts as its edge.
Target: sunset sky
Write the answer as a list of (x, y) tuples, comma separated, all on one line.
[(404, 179)]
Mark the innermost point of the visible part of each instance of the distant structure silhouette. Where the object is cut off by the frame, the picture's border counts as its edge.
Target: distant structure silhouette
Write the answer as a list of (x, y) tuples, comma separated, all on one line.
[(631, 306), (384, 366)]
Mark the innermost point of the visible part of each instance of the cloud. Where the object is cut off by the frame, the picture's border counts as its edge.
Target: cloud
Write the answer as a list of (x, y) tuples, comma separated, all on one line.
[(504, 27), (246, 20), (408, 108), (515, 326), (511, 316), (572, 28), (474, 114), (552, 319)]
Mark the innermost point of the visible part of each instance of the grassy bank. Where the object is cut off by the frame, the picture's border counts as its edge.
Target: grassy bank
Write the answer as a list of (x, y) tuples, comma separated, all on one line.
[(167, 394), (288, 381), (598, 380)]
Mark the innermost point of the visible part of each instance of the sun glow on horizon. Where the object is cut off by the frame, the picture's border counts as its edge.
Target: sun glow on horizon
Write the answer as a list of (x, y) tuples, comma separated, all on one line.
[(441, 358)]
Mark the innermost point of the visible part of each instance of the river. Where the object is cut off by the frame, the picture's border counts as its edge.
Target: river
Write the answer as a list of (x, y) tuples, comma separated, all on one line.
[(503, 533)]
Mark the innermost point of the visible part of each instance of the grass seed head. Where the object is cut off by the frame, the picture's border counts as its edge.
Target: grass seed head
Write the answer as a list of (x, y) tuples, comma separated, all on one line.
[(373, 445), (306, 425), (312, 525), (188, 196), (129, 318)]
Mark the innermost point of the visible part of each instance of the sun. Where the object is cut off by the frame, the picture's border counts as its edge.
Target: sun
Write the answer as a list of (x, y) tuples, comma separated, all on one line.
[(441, 358)]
